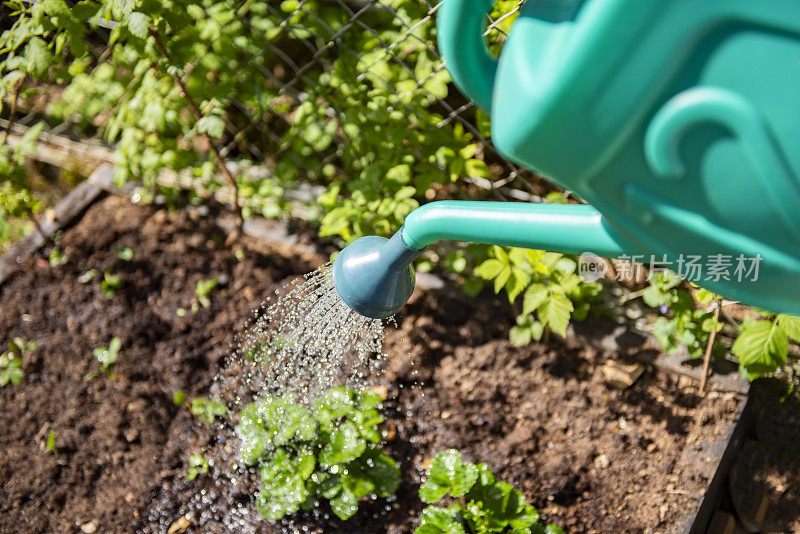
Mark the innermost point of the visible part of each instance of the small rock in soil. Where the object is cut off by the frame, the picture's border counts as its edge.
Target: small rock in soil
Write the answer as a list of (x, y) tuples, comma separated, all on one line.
[(180, 525), (602, 461), (621, 375)]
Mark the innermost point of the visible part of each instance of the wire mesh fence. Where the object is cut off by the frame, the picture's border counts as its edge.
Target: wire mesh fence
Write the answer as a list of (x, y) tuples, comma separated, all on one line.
[(295, 48)]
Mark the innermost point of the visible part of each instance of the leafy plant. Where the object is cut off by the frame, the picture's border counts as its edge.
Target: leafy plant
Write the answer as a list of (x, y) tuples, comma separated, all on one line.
[(107, 356), (198, 465), (482, 503), (682, 322), (553, 293), (206, 410), (201, 292), (11, 361), (763, 344), (17, 199), (328, 451)]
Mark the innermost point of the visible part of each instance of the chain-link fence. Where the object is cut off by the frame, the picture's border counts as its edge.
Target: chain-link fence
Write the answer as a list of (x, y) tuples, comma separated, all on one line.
[(320, 49), (295, 47)]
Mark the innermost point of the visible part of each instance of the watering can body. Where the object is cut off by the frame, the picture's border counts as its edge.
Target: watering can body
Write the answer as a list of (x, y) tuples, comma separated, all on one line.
[(677, 120)]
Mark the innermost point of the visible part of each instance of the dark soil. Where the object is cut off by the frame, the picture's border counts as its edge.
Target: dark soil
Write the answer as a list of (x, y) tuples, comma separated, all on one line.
[(768, 466), (589, 457)]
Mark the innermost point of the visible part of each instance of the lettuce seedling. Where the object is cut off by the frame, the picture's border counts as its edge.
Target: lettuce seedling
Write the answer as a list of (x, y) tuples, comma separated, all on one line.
[(11, 361), (201, 292), (206, 410), (198, 464), (483, 504), (57, 258), (110, 284), (107, 356), (326, 451), (50, 444)]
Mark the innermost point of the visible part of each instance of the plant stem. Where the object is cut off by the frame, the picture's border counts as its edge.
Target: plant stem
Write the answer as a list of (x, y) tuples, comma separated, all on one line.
[(199, 115), (709, 346), (13, 113)]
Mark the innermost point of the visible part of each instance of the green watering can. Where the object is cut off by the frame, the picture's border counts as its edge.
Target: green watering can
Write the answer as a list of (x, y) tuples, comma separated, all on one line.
[(678, 121)]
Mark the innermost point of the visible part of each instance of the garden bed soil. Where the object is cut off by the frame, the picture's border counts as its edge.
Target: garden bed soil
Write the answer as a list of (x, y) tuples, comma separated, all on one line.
[(766, 474), (591, 458)]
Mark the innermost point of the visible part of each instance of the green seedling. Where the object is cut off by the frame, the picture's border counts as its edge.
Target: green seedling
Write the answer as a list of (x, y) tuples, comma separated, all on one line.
[(198, 465), (50, 444), (201, 292), (179, 397), (110, 284), (107, 356), (11, 361), (206, 410), (326, 451), (87, 277), (481, 503), (124, 253), (57, 258)]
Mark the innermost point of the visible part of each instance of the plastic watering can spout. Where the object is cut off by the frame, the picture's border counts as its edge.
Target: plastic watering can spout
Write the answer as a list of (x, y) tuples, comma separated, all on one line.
[(373, 274)]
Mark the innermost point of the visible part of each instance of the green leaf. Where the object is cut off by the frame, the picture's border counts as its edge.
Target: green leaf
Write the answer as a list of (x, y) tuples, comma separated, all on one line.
[(123, 7), (138, 24), (400, 174), (515, 284), (477, 168), (554, 312), (654, 297), (535, 295), (206, 410), (10, 370), (345, 504), (382, 470), (85, 9), (761, 347), (500, 254), (336, 403), (345, 445), (37, 56), (520, 335), (212, 125), (281, 496), (490, 269), (507, 507), (294, 423), (448, 474), (790, 325), (436, 520), (502, 278)]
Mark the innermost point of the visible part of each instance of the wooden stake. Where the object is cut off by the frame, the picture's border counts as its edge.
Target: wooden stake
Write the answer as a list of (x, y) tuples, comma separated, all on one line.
[(709, 346)]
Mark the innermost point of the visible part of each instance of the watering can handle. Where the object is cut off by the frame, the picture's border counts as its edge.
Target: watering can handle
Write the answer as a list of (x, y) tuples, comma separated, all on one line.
[(459, 27)]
